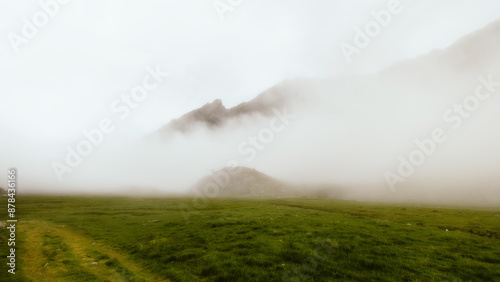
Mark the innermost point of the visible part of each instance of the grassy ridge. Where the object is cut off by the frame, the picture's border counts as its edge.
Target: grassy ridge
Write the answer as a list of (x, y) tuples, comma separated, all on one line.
[(251, 240)]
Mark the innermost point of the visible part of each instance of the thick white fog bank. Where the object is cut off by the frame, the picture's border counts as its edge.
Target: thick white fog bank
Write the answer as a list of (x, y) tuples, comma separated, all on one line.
[(422, 126), (351, 132)]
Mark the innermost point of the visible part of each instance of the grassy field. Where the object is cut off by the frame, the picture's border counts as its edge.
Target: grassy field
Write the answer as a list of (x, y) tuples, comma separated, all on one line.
[(124, 239)]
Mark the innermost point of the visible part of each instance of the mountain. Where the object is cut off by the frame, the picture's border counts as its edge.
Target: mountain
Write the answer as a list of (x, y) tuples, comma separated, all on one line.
[(473, 55), (358, 127), (247, 182), (3, 192), (475, 52), (215, 115)]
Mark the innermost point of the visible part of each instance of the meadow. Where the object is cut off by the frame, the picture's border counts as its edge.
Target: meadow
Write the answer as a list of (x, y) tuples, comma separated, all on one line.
[(83, 238)]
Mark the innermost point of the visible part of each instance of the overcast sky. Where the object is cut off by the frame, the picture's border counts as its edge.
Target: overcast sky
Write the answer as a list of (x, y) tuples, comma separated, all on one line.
[(90, 52)]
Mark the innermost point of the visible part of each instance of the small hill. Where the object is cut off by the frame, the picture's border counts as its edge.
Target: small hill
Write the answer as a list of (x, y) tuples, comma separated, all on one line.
[(241, 182), (3, 192), (247, 182)]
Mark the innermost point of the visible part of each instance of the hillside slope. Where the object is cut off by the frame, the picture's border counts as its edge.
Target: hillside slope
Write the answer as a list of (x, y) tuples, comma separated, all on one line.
[(472, 55), (247, 182), (242, 181)]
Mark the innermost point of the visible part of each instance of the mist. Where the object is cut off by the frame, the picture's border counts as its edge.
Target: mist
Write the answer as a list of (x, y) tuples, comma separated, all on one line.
[(350, 123)]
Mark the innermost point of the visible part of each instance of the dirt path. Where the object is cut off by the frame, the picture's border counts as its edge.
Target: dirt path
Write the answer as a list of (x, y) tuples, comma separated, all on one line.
[(54, 253)]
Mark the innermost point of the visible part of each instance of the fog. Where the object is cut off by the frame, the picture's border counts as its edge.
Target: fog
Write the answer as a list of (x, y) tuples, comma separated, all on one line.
[(350, 120)]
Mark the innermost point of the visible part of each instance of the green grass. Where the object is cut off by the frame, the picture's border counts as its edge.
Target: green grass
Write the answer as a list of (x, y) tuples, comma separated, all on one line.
[(252, 240)]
